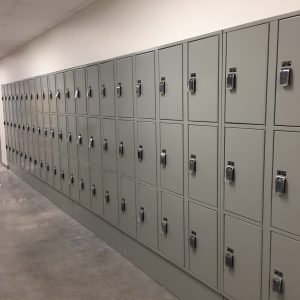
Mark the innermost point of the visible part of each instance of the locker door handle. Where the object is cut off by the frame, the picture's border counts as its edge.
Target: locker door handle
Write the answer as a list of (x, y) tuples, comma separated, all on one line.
[(33, 129), (62, 174), (93, 190), (23, 126), (17, 97), (19, 126), (123, 205), (105, 145), (43, 95), (91, 142), (89, 92), (192, 85), (231, 80), (52, 133), (164, 226), (57, 95), (60, 135), (229, 259), (193, 240), (277, 282), (142, 214), (106, 196), (192, 163), (103, 91), (119, 89), (54, 171), (69, 137), (79, 140), (21, 97), (163, 157), (50, 94), (15, 125), (285, 74), (138, 89), (37, 96), (31, 96), (47, 167), (28, 128), (121, 149), (162, 86), (230, 172), (67, 93), (77, 93), (71, 181), (39, 130), (81, 184), (280, 182), (41, 164), (140, 152)]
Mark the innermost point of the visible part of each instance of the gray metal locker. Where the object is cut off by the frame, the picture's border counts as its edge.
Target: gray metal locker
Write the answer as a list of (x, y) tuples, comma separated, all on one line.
[(127, 206), (246, 75), (96, 190), (126, 148), (54, 133), (56, 170), (70, 92), (60, 93), (42, 163), (94, 141), (84, 184), (203, 243), (49, 166), (287, 84), (80, 89), (106, 84), (203, 81), (244, 161), (92, 90), (72, 136), (109, 144), (40, 129), (242, 259), (284, 271), (110, 197), (124, 96), (32, 95), (62, 135), (45, 94), (170, 86), (203, 164), (73, 179), (146, 152), (51, 93), (38, 98), (171, 157), (145, 85), (64, 175), (172, 228), (82, 139), (286, 190)]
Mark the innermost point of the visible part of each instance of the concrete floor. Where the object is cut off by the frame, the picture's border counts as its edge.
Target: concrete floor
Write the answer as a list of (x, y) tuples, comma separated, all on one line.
[(45, 254)]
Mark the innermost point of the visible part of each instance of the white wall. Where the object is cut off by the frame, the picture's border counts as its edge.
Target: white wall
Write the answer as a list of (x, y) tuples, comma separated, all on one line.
[(111, 28)]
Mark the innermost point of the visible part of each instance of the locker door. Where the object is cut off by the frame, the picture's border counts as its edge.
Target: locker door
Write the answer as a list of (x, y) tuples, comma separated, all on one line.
[(64, 175), (42, 164), (247, 60), (203, 164), (94, 142), (170, 87), (287, 92), (203, 240), (244, 153), (146, 152), (72, 136), (54, 134), (284, 267), (96, 190), (107, 94), (73, 179), (82, 139), (62, 135), (27, 95), (45, 94), (242, 259), (109, 144), (127, 216), (47, 134), (55, 170), (49, 166), (145, 85), (32, 95), (124, 87), (38, 98), (22, 97), (40, 130), (126, 148), (80, 88), (203, 72), (172, 240), (84, 184), (285, 203), (60, 93), (110, 197), (92, 93), (51, 93), (171, 157), (17, 97), (70, 93)]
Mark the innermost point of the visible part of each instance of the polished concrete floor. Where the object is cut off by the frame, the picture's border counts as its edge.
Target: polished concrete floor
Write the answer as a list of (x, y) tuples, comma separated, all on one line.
[(45, 254)]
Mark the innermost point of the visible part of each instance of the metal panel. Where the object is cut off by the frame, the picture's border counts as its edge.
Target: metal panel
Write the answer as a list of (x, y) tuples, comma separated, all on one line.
[(94, 142), (51, 93), (73, 179), (170, 76), (70, 93), (80, 89), (56, 170), (242, 280), (45, 94), (145, 85), (38, 94), (62, 135), (171, 171), (245, 149), (203, 164), (72, 136), (110, 191), (246, 103), (60, 93), (64, 175), (54, 133), (84, 184), (82, 139), (92, 93), (109, 137), (96, 190)]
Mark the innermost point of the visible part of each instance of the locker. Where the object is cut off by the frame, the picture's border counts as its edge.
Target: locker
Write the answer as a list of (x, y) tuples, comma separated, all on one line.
[(145, 85), (171, 157), (27, 95), (127, 209), (32, 95), (17, 97), (123, 87), (55, 170), (64, 175), (60, 93), (244, 153), (126, 148), (22, 97), (202, 86), (49, 168), (70, 93), (36, 159), (54, 133), (45, 94), (73, 179), (82, 139), (84, 184), (203, 243), (285, 203), (62, 135), (172, 228), (146, 152), (94, 142), (107, 95), (203, 164), (110, 196), (72, 136), (96, 190), (246, 75), (284, 268), (92, 92), (40, 129), (80, 88), (109, 144), (42, 163), (242, 259), (38, 98), (170, 86), (51, 94)]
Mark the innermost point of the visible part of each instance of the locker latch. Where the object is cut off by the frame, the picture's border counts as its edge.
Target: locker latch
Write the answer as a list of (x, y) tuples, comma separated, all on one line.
[(79, 139), (230, 171), (52, 133), (45, 131), (164, 226), (142, 214), (81, 184), (35, 161), (62, 174), (13, 150), (54, 171), (106, 196), (105, 145), (280, 182), (25, 155), (163, 157), (91, 142), (162, 86), (67, 93), (33, 129), (277, 282), (140, 152), (36, 96), (28, 128), (103, 90), (15, 125), (41, 163), (121, 149), (231, 79), (21, 97), (30, 158), (285, 73), (17, 152), (193, 240), (57, 95), (60, 135), (89, 92), (77, 93), (10, 123), (21, 154), (192, 84), (69, 137), (123, 205), (138, 88), (229, 258), (71, 181), (192, 163), (119, 89), (93, 190), (31, 96), (50, 94), (43, 95)]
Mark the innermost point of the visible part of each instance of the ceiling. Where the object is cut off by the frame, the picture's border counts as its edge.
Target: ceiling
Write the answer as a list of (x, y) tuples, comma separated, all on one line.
[(23, 20)]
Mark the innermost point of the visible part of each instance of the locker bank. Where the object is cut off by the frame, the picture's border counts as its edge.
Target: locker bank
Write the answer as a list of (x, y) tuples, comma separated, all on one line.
[(142, 160)]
